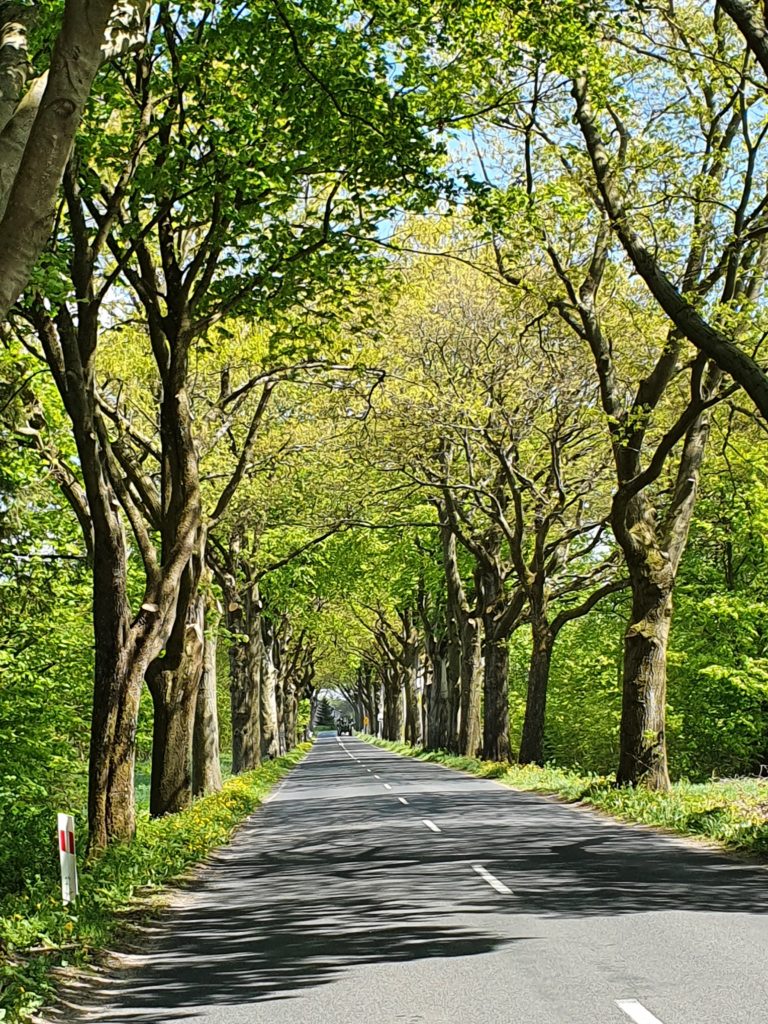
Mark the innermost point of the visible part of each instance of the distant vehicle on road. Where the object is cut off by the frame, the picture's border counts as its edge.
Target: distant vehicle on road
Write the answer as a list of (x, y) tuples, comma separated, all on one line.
[(344, 727)]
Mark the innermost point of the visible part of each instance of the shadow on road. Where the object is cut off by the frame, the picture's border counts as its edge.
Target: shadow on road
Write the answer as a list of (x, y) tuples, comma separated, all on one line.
[(336, 873)]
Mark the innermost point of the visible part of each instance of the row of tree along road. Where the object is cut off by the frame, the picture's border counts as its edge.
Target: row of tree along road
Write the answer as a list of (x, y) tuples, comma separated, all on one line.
[(372, 339)]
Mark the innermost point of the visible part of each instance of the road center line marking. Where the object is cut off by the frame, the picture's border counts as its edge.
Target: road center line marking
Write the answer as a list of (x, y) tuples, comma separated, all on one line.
[(636, 1011), (377, 776), (402, 800), (431, 825), (494, 882), (367, 769), (387, 786)]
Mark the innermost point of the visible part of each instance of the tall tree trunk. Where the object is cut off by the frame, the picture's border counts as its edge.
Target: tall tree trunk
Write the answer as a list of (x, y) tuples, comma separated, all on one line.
[(652, 552), (290, 714), (118, 681), (394, 718), (643, 748), (206, 763), (118, 677), (490, 589), (270, 744), (281, 714), (532, 742), (174, 683), (410, 699), (438, 734), (472, 674), (244, 622), (496, 699)]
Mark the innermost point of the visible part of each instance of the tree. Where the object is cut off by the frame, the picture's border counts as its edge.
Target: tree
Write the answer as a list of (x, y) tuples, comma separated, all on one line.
[(324, 717), (173, 223)]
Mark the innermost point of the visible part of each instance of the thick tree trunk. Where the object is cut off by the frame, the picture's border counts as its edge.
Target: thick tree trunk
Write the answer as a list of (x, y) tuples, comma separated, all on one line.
[(174, 701), (206, 764), (643, 748), (438, 717), (412, 716), (244, 621), (496, 700), (652, 552), (174, 683), (117, 690), (394, 718), (472, 674), (532, 742)]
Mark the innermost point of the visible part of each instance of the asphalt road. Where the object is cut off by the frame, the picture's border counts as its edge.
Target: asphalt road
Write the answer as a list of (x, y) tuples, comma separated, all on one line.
[(372, 889)]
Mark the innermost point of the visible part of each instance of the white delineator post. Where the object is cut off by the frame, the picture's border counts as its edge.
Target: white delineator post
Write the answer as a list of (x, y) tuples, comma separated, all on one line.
[(67, 858)]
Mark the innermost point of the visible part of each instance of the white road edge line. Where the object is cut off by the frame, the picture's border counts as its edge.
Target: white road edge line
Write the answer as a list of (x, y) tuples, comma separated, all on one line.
[(431, 825), (403, 800), (636, 1011), (491, 880), (387, 786)]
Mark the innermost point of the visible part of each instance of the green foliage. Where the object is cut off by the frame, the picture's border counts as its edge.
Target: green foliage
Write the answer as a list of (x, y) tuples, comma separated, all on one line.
[(45, 661), (325, 719), (38, 933)]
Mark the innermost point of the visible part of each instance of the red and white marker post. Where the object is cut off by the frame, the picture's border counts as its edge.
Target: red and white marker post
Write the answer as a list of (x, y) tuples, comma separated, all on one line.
[(67, 858)]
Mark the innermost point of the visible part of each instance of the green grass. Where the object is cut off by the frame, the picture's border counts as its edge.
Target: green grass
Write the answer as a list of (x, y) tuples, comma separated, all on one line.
[(732, 813), (37, 933)]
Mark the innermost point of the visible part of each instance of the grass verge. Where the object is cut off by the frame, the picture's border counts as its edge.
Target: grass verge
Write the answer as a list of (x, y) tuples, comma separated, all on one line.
[(732, 813), (38, 934)]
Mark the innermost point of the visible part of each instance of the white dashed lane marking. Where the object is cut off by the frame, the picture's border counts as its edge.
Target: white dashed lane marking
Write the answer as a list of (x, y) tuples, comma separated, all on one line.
[(431, 825), (491, 880), (636, 1011), (402, 800)]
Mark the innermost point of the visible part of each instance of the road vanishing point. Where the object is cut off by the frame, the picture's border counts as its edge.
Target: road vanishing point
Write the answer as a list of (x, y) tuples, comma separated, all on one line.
[(374, 889)]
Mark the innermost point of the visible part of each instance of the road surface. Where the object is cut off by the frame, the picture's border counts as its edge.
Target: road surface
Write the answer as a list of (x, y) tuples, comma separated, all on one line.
[(373, 889)]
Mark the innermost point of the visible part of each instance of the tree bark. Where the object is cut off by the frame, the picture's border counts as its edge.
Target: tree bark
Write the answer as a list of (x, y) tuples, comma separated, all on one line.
[(643, 750), (270, 742), (497, 625), (411, 701), (496, 699), (174, 681), (118, 680), (206, 763), (532, 741), (472, 673), (394, 719), (290, 714), (244, 621), (438, 717)]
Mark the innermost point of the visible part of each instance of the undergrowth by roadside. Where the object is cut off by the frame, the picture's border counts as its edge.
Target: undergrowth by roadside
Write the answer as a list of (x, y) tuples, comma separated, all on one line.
[(733, 813), (37, 933)]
